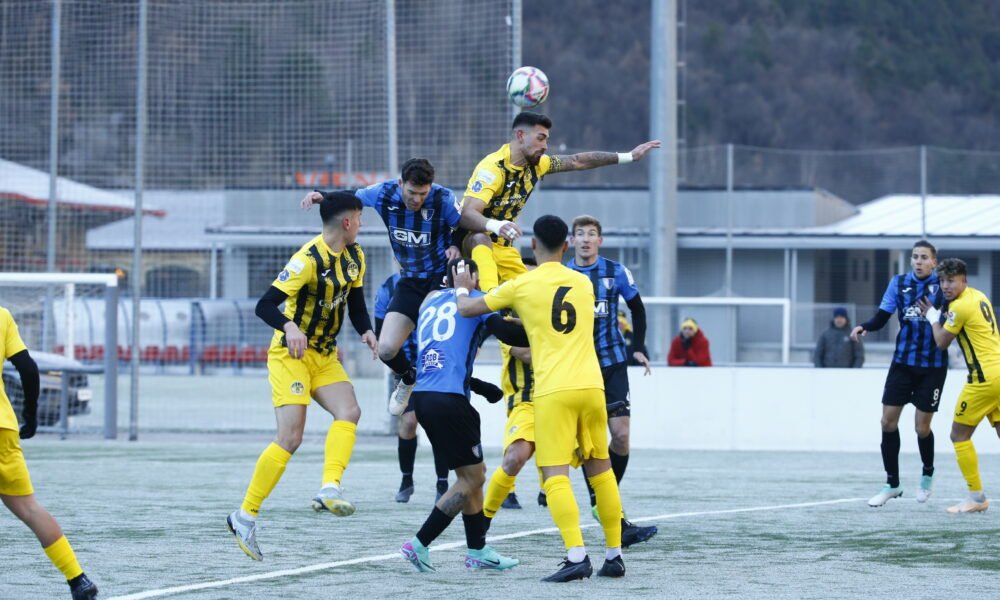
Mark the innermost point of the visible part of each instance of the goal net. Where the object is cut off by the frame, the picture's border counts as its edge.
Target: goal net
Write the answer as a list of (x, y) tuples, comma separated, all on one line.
[(70, 324)]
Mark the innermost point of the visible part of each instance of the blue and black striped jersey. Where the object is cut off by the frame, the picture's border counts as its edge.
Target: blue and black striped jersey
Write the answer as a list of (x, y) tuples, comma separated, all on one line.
[(418, 238), (915, 342), (447, 344), (382, 299), (611, 280)]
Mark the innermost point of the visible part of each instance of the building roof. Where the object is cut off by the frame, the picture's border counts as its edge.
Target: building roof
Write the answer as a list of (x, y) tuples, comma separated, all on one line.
[(22, 183), (188, 215), (964, 222)]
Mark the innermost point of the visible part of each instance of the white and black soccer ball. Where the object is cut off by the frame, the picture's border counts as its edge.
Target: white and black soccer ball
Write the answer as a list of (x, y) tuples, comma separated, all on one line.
[(527, 87)]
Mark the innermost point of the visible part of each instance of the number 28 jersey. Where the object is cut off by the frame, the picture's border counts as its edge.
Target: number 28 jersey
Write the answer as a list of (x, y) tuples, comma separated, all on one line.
[(447, 344), (556, 306)]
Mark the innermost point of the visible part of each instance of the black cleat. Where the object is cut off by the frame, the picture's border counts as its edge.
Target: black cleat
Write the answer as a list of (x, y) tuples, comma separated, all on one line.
[(633, 534), (613, 568), (542, 500), (569, 571), (511, 501), (404, 493), (82, 588)]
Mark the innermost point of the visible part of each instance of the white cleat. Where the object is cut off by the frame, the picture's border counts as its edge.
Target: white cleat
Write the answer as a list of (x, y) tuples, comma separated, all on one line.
[(970, 505), (331, 499), (887, 493), (246, 535), (925, 491), (400, 398)]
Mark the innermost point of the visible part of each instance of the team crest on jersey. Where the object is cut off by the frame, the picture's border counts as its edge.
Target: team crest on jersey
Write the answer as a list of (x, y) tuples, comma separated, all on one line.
[(477, 450), (353, 270), (427, 213), (933, 288), (297, 388), (608, 282), (284, 275), (432, 361), (477, 186)]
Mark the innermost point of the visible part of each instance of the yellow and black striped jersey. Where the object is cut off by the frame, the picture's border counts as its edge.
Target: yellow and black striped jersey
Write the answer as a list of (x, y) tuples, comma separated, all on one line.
[(317, 281), (10, 344), (970, 317), (516, 381), (504, 187)]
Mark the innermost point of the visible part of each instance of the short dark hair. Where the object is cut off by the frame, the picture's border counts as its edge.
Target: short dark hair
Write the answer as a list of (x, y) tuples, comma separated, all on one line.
[(530, 119), (335, 204), (469, 263), (418, 171), (529, 261), (585, 220), (950, 267), (928, 245), (551, 232)]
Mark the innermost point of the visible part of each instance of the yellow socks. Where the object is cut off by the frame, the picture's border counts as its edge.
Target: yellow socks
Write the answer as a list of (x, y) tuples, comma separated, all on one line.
[(968, 463), (609, 506), (565, 512), (62, 556), (489, 277), (497, 490), (339, 446), (268, 471)]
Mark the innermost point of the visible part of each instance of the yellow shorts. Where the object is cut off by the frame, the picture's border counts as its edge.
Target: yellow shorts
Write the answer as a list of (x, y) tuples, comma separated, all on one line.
[(520, 425), (509, 262), (567, 422), (293, 380), (978, 400), (14, 477)]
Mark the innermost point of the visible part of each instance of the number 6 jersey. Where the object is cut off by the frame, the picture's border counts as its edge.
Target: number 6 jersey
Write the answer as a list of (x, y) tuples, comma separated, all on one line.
[(556, 306), (970, 317)]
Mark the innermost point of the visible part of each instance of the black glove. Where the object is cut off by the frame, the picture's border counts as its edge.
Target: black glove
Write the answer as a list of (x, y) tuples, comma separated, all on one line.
[(30, 417), (492, 393)]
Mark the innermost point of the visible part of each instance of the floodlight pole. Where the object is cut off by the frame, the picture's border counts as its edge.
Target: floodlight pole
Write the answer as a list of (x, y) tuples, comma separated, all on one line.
[(140, 175), (390, 87), (50, 242)]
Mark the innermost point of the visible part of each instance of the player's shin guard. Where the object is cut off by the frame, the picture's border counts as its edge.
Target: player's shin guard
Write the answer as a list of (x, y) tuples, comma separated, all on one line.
[(339, 446), (407, 452), (266, 475), (496, 491), (564, 510), (926, 447), (62, 556), (609, 506), (489, 277), (968, 464)]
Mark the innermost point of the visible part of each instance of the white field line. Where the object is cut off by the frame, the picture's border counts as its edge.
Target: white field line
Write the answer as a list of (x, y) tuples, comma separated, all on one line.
[(180, 589)]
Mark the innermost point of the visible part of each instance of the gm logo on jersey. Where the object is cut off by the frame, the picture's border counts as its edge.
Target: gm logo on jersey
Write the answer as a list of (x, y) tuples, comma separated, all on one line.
[(912, 313), (601, 308), (410, 238)]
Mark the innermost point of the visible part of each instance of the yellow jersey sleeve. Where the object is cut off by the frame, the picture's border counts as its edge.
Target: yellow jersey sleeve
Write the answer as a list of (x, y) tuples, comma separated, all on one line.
[(501, 296), (297, 273), (958, 314), (12, 342), (486, 181), (544, 165), (362, 267)]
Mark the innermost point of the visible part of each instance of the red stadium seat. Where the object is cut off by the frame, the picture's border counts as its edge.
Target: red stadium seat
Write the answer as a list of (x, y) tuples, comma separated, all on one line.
[(210, 354), (150, 354), (247, 355), (262, 354), (229, 354), (185, 354), (171, 354), (58, 349), (79, 352), (124, 353), (95, 353)]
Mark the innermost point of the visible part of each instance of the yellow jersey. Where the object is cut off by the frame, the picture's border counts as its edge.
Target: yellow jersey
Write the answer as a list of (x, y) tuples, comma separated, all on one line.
[(516, 381), (504, 187), (970, 317), (556, 306), (10, 344), (317, 281)]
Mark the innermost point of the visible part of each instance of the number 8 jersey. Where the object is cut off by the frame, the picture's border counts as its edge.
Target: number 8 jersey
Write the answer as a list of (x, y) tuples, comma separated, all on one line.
[(447, 344), (556, 306)]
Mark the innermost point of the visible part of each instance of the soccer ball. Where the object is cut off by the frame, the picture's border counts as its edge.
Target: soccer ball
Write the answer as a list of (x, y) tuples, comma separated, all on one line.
[(527, 87)]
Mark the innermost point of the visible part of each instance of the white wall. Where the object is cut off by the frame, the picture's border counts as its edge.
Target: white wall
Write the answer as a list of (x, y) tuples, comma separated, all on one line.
[(723, 408)]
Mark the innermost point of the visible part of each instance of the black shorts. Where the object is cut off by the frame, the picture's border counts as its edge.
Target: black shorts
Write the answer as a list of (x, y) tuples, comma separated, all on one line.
[(616, 389), (451, 425), (920, 385), (410, 293)]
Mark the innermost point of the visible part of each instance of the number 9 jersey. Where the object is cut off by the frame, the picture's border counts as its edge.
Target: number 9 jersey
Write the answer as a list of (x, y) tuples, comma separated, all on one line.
[(556, 306), (970, 318), (447, 344)]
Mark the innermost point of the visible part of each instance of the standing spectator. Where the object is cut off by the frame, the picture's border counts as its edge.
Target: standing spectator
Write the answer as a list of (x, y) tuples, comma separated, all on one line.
[(835, 349), (690, 347)]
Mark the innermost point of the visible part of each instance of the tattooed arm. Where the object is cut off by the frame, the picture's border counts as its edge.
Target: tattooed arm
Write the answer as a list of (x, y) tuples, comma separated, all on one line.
[(591, 160)]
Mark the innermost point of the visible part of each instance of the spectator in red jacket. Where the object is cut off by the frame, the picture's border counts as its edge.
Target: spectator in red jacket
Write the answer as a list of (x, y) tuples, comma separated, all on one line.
[(690, 347)]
